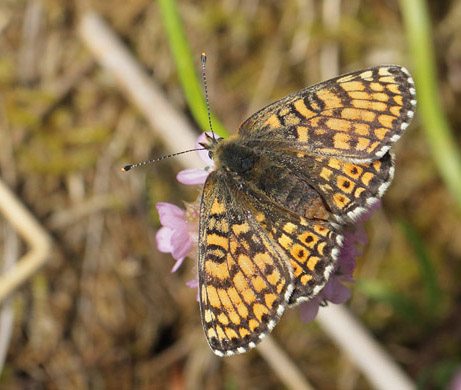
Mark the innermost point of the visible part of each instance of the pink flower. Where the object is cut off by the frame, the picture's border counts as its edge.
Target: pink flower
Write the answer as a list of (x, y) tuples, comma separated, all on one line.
[(335, 291), (178, 233), (310, 308), (195, 176)]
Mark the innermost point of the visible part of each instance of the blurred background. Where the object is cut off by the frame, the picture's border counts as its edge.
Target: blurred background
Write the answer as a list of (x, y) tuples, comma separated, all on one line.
[(105, 311)]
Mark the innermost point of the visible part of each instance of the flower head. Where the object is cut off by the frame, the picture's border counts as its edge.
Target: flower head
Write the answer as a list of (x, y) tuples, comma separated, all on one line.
[(179, 231)]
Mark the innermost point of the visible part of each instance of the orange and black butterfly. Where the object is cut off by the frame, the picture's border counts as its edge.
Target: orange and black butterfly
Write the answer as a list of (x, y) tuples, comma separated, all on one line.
[(273, 211)]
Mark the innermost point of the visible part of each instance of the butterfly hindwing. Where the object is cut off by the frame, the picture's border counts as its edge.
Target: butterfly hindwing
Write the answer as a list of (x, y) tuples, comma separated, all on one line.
[(310, 245), (323, 187), (351, 189)]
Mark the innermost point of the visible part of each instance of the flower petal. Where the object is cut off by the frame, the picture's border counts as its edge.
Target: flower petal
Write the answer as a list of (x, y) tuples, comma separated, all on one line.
[(352, 248), (346, 261), (365, 217), (163, 238), (194, 284), (310, 309), (177, 264), (335, 292), (171, 215), (181, 244), (455, 383), (192, 176)]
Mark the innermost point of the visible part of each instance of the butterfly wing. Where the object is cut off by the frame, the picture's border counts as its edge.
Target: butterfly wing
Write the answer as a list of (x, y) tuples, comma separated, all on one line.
[(322, 187), (348, 189), (310, 245), (244, 284), (253, 254), (357, 116)]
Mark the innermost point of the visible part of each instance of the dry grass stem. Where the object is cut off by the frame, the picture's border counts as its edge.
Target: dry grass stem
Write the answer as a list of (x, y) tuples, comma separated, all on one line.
[(358, 344), (32, 232), (170, 125)]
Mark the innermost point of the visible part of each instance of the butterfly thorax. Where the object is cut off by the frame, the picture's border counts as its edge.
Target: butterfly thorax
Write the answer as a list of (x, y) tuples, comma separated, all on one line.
[(231, 155)]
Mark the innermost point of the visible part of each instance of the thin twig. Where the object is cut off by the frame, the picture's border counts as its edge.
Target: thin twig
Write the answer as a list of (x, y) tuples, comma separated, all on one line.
[(329, 53), (29, 53), (10, 253)]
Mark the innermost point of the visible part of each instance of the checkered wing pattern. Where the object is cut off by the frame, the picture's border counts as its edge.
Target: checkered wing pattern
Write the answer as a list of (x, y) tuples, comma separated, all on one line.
[(357, 116), (255, 259)]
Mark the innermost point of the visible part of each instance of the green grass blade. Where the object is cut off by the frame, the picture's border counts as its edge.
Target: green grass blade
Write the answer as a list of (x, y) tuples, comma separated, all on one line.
[(437, 129), (432, 290), (402, 306), (186, 67)]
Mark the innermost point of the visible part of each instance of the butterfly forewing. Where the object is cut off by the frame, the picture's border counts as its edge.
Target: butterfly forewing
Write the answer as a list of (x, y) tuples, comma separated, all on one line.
[(357, 116), (244, 283), (255, 259)]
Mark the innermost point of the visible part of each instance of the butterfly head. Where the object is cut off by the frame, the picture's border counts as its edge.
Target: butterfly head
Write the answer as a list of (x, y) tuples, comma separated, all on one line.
[(210, 144)]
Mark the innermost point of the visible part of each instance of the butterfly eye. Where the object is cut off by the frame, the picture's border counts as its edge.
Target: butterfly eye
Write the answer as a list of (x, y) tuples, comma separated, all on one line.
[(210, 154), (246, 164)]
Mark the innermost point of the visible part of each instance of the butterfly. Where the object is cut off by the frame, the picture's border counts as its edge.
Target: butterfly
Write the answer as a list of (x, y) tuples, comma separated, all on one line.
[(273, 212)]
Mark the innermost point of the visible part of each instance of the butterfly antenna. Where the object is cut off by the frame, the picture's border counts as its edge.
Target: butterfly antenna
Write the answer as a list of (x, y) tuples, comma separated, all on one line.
[(205, 86), (126, 168)]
